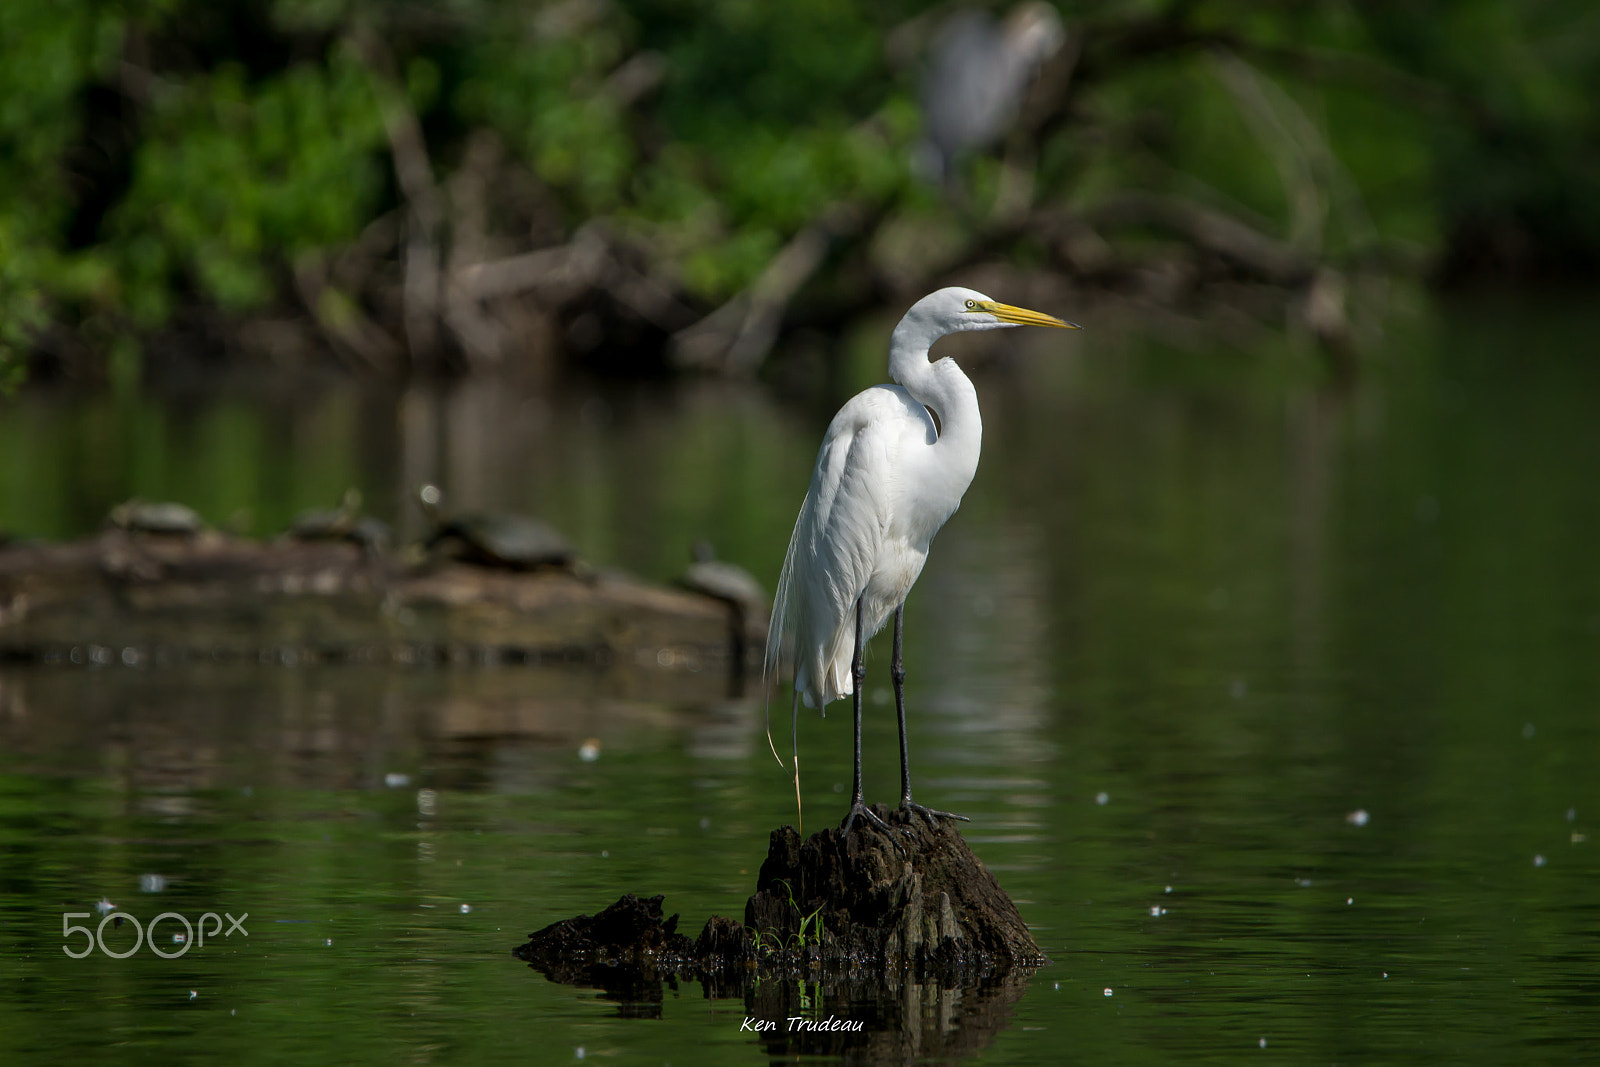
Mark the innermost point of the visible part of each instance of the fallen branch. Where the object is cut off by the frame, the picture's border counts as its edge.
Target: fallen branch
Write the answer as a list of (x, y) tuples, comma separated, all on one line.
[(559, 273), (340, 318), (735, 338)]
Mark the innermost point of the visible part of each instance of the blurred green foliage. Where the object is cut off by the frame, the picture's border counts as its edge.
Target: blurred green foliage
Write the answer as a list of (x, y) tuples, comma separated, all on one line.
[(233, 176), (161, 152)]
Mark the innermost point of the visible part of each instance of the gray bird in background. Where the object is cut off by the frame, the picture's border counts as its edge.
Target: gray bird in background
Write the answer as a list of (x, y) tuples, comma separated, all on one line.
[(978, 74)]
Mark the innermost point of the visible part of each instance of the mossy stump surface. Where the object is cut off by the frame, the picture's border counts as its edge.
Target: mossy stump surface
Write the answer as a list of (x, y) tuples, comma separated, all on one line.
[(930, 902)]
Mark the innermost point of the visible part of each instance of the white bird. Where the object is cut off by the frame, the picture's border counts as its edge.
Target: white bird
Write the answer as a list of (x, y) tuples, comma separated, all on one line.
[(978, 76), (893, 467)]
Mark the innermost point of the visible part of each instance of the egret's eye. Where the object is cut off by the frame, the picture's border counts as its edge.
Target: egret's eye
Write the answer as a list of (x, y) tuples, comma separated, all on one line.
[(971, 304)]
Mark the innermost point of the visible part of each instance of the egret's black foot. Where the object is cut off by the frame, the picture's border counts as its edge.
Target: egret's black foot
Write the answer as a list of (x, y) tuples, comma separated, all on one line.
[(933, 815), (859, 808)]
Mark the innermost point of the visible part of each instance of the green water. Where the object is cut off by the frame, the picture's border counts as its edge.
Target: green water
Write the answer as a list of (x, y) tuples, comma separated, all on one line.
[(1195, 615)]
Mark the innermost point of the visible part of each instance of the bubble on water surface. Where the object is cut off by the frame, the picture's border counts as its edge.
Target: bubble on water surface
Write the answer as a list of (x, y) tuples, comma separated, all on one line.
[(1359, 817)]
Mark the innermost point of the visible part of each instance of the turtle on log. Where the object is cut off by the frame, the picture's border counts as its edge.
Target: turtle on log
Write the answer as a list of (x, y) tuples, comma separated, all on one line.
[(344, 523), (166, 519), (736, 587), (513, 542)]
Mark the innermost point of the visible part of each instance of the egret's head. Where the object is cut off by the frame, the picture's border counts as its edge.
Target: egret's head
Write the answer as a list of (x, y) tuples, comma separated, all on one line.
[(956, 310)]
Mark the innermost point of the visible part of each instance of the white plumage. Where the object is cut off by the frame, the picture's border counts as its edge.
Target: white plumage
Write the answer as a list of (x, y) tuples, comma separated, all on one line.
[(859, 534), (886, 479)]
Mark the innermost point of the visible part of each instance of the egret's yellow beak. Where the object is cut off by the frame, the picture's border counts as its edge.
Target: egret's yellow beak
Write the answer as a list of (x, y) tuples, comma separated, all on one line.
[(1022, 316)]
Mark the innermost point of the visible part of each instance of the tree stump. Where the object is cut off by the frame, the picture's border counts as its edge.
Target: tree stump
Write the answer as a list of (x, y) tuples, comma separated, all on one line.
[(843, 903), (934, 905)]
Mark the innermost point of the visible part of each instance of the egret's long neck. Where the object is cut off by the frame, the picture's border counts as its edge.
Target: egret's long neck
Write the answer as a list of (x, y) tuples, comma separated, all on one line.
[(942, 387)]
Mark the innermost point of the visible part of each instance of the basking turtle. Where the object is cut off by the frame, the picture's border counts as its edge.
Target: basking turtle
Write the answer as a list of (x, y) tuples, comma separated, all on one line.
[(344, 523), (726, 581), (328, 524), (168, 519), (736, 587), (514, 542)]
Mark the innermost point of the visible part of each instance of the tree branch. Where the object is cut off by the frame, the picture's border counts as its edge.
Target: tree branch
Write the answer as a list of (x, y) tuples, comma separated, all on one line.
[(414, 174), (735, 338)]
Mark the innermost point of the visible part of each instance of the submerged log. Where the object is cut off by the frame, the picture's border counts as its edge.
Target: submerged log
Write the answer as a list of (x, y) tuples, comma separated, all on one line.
[(841, 904), (627, 950), (136, 598)]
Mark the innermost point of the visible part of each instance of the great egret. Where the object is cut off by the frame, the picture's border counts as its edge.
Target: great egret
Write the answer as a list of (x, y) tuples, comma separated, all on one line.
[(887, 477)]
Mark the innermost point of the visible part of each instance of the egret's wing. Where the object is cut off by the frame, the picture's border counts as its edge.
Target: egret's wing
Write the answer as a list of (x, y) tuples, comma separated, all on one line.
[(835, 544), (828, 561)]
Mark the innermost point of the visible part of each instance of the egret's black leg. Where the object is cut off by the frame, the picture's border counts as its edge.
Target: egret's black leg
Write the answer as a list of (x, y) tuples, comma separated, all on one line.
[(897, 671), (858, 673)]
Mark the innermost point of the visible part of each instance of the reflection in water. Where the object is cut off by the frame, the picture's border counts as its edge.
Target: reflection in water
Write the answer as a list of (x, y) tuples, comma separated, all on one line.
[(174, 734), (891, 1018), (902, 1021), (983, 683), (1239, 611)]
